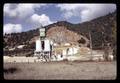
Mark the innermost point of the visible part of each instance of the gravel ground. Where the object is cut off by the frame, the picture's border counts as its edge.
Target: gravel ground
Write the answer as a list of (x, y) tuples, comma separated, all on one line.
[(61, 70)]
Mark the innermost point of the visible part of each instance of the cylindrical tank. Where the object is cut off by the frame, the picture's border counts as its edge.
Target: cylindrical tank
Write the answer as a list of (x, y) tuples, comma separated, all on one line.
[(38, 45), (47, 45)]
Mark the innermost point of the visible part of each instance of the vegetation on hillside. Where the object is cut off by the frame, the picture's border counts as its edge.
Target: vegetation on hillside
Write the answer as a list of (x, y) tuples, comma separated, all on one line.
[(102, 29)]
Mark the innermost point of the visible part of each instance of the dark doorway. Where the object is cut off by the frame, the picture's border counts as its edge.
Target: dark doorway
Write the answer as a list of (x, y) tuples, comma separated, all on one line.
[(43, 45)]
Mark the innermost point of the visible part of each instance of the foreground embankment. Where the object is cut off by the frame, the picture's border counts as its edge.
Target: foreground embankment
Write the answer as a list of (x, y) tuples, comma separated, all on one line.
[(61, 70)]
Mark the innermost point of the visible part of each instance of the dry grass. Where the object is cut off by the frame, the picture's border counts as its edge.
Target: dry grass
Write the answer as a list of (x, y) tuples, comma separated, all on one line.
[(62, 70)]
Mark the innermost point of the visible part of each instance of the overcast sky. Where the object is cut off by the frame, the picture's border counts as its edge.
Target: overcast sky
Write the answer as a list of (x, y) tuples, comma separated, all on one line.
[(24, 17)]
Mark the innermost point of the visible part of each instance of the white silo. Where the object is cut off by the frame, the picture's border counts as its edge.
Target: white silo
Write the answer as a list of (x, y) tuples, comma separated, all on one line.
[(43, 45), (47, 45), (38, 46)]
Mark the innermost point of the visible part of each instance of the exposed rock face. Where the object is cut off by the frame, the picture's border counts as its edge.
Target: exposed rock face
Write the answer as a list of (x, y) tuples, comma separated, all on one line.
[(60, 34)]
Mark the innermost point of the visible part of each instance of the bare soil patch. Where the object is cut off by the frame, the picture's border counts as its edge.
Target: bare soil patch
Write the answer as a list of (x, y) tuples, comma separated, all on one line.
[(62, 70)]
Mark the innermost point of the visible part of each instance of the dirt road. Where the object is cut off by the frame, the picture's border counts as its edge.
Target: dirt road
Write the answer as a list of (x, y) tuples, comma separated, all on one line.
[(61, 70)]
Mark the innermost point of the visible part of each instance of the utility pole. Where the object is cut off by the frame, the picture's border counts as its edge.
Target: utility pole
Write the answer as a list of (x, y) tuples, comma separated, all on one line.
[(90, 43), (102, 41)]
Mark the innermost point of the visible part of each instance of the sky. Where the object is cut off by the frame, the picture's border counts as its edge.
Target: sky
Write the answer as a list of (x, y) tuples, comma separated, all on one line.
[(22, 17)]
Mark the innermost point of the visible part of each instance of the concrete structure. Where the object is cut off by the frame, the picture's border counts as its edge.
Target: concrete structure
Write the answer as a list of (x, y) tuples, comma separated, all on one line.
[(11, 49), (20, 46), (70, 51), (67, 44), (43, 49), (43, 46), (38, 45), (46, 47)]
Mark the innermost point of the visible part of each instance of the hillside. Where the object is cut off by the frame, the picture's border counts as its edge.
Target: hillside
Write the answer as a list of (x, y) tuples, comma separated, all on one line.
[(100, 28)]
